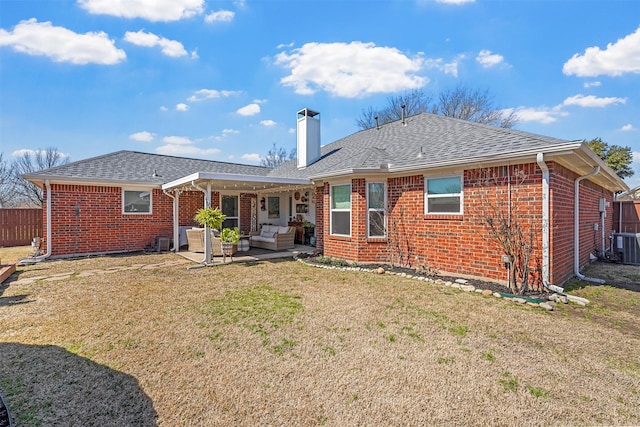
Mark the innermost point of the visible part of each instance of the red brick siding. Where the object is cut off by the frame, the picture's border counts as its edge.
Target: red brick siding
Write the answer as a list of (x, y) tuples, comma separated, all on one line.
[(462, 243), (562, 189), (89, 219), (245, 210)]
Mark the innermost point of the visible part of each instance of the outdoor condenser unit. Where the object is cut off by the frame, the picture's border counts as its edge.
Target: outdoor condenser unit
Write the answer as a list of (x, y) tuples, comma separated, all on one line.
[(628, 246)]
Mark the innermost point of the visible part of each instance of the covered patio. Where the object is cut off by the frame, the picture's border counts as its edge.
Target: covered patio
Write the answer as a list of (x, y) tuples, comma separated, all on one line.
[(237, 195)]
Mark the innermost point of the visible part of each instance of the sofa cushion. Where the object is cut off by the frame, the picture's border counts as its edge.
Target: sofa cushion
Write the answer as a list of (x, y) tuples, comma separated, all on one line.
[(283, 230), (263, 239), (269, 228), (268, 234)]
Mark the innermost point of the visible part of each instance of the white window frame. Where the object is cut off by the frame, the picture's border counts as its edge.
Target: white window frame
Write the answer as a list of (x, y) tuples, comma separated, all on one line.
[(383, 210), (137, 190), (331, 210), (428, 196)]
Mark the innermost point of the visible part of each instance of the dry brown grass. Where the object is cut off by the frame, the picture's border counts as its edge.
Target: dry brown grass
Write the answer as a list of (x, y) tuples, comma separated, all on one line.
[(282, 343), (12, 254)]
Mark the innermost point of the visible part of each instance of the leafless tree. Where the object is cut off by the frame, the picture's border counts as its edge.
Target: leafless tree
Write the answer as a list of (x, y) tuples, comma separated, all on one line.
[(473, 105), (508, 223), (461, 103), (277, 156), (30, 194), (6, 183)]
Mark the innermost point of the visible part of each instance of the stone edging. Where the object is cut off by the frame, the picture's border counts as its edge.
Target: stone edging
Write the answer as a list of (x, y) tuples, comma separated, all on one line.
[(461, 284)]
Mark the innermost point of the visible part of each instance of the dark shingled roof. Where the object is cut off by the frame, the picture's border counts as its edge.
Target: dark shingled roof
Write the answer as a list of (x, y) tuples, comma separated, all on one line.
[(442, 140), (133, 166)]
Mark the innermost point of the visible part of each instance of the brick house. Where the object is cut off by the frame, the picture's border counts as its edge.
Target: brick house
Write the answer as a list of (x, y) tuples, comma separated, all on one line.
[(418, 191)]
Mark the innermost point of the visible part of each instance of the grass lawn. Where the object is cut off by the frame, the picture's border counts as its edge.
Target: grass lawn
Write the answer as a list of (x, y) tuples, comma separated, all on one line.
[(140, 340)]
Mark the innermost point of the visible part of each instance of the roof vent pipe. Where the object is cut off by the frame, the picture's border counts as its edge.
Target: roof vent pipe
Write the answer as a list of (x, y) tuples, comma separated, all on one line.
[(377, 124), (576, 224), (404, 123)]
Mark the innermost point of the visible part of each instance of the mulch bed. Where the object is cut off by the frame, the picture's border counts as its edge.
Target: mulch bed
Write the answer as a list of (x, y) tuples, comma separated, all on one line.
[(477, 283)]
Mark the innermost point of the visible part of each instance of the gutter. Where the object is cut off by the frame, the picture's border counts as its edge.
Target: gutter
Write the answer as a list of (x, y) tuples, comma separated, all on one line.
[(576, 234), (176, 219), (49, 243)]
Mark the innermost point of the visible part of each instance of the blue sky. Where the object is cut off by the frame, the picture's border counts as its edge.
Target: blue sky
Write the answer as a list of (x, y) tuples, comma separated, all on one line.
[(223, 80)]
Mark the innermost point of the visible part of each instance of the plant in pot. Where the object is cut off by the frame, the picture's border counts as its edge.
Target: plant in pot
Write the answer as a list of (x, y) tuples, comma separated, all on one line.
[(210, 217), (230, 238)]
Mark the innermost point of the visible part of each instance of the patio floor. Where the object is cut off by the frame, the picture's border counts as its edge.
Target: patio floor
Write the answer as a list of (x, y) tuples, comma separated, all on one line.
[(253, 254)]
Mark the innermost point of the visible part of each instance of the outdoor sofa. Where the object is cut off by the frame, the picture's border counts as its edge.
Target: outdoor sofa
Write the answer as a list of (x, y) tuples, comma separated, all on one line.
[(273, 237)]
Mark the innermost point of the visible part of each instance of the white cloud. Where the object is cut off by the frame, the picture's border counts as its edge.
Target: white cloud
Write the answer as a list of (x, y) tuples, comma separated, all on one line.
[(163, 108), (627, 128), (268, 123), (618, 58), (220, 16), (249, 110), (182, 107), (252, 157), (292, 130), (488, 59), (194, 54), (226, 132), (259, 101), (543, 115), (169, 47), (202, 94), (636, 156), (282, 45), (592, 84), (592, 101), (445, 67), (21, 152), (151, 10), (350, 70), (180, 146), (143, 136), (62, 45), (177, 140)]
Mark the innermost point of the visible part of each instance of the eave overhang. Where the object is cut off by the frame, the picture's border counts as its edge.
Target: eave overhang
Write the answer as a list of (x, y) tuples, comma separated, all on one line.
[(237, 182)]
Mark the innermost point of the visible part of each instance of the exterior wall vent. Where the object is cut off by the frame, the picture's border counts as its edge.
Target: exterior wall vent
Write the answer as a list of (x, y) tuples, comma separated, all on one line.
[(308, 145)]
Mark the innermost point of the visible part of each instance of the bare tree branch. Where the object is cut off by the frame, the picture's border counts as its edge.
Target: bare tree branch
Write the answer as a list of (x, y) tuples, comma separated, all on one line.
[(30, 194)]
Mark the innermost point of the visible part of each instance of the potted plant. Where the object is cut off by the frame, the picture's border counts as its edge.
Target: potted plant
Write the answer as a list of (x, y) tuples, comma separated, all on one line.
[(230, 238), (210, 217)]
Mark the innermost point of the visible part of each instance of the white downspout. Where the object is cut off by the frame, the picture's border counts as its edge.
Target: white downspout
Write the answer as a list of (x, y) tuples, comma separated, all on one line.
[(176, 221), (545, 225), (207, 233), (576, 224)]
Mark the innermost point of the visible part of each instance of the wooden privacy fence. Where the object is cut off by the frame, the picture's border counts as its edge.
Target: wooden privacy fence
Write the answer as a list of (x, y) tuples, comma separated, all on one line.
[(19, 226), (626, 216)]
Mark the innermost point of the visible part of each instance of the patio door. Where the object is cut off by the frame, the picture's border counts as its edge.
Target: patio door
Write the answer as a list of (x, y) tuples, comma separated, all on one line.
[(230, 209)]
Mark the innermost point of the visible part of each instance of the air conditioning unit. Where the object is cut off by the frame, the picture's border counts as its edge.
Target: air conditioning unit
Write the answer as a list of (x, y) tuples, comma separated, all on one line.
[(628, 246)]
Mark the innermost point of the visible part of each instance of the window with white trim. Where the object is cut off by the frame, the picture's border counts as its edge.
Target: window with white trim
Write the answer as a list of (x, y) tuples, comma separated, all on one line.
[(443, 195), (136, 201), (341, 210), (231, 211), (376, 202)]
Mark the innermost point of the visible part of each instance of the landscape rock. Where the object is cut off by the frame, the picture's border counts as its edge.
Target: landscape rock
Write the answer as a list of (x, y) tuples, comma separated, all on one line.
[(486, 292), (547, 306), (380, 270), (468, 288), (497, 295), (462, 281)]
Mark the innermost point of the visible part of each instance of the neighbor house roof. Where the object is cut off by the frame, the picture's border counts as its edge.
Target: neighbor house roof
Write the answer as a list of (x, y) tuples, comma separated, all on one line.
[(132, 167), (427, 141)]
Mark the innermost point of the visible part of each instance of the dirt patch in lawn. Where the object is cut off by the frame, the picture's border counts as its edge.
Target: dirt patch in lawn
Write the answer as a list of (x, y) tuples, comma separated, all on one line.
[(284, 343)]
